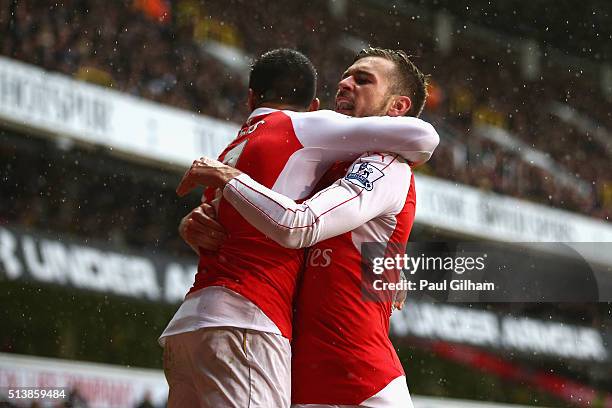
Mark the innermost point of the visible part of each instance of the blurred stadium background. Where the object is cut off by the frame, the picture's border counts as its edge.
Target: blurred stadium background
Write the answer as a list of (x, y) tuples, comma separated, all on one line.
[(103, 104)]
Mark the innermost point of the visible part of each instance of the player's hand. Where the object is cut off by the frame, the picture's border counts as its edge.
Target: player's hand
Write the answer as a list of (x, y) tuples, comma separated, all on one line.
[(200, 230), (400, 299), (206, 172)]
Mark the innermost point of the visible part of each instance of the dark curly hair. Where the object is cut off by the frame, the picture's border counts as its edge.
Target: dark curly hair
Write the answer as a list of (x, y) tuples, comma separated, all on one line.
[(283, 76)]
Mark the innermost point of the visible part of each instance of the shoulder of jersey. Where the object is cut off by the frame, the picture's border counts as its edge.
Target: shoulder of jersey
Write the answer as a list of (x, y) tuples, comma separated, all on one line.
[(372, 167)]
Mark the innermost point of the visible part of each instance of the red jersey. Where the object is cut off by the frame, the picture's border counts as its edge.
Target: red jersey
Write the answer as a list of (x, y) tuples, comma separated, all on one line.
[(288, 152)]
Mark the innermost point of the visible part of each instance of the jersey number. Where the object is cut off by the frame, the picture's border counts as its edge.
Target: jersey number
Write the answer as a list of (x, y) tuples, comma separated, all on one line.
[(232, 156)]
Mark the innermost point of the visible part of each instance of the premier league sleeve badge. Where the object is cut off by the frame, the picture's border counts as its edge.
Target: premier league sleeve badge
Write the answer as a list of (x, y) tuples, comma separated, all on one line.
[(364, 175)]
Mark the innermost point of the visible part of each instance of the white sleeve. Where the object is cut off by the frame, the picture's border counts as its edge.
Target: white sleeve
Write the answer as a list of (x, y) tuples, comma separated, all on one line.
[(373, 186), (410, 137)]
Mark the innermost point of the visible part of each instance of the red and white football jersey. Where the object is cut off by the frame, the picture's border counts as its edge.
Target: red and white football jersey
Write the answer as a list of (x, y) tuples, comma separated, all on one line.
[(288, 152), (341, 349)]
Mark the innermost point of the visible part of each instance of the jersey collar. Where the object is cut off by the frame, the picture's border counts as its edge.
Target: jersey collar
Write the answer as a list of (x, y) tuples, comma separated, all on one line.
[(260, 112)]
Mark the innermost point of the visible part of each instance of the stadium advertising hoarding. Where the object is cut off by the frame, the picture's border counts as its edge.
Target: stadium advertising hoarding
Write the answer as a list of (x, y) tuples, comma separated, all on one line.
[(470, 211), (54, 104), (473, 213), (26, 256), (507, 333), (95, 267)]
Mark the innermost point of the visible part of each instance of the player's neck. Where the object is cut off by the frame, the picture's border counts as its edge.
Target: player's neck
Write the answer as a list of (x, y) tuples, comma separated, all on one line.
[(281, 106)]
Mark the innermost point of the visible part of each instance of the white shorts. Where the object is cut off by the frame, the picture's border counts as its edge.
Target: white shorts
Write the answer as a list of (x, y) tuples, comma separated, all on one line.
[(394, 395), (218, 367)]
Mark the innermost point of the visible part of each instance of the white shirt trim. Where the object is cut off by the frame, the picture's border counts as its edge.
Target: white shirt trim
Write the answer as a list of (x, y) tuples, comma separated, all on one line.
[(216, 306)]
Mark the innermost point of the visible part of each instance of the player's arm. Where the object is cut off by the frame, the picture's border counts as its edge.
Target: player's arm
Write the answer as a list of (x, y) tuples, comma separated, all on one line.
[(412, 138), (373, 186)]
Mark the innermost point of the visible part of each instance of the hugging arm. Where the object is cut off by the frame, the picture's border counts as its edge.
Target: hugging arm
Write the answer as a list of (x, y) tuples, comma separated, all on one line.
[(410, 137), (369, 189)]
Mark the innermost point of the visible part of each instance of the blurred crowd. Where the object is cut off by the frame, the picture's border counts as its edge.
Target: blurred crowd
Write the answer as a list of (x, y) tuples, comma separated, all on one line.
[(161, 51)]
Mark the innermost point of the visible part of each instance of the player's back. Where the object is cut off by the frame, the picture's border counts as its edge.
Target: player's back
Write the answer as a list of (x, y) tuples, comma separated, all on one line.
[(248, 262)]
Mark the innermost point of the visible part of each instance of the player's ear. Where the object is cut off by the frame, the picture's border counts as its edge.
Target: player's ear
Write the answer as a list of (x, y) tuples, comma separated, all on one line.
[(251, 100), (400, 105), (314, 105)]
